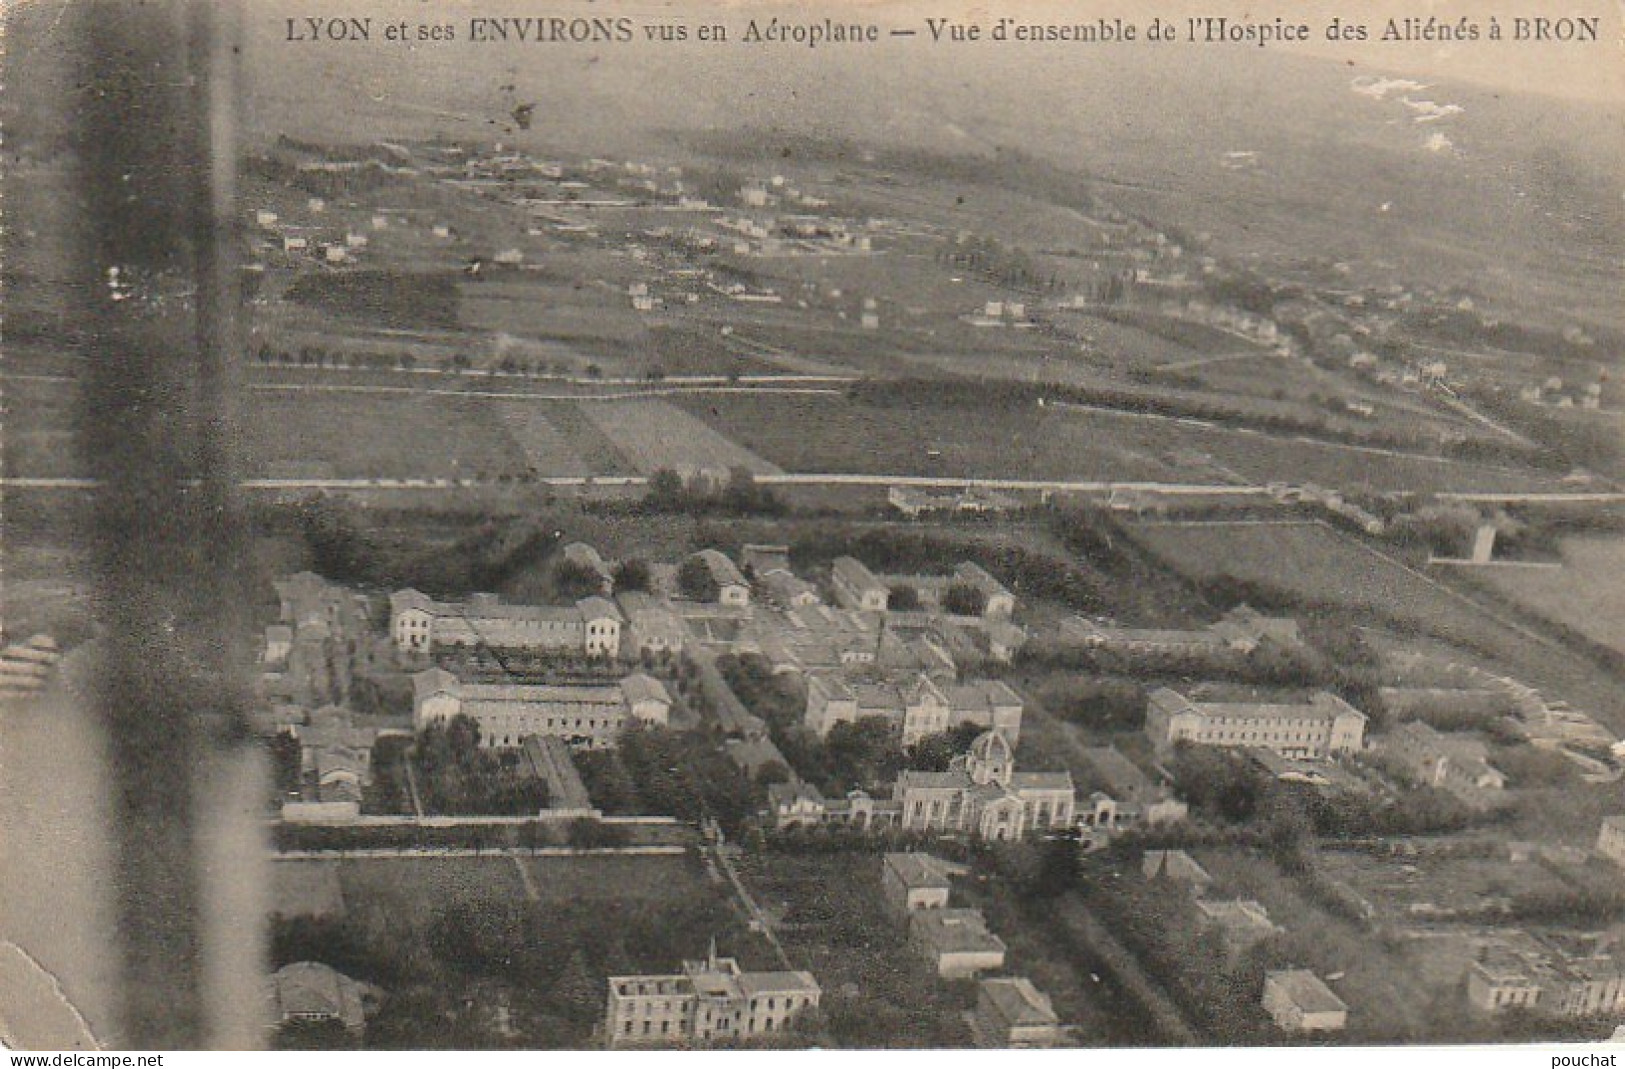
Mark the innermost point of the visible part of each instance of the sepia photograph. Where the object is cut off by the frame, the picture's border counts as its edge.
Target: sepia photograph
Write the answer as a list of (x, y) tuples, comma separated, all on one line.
[(870, 525)]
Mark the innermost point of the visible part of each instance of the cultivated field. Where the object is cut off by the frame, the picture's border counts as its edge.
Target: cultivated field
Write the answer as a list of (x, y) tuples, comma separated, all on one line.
[(1425, 885), (414, 889), (826, 433), (826, 909), (1587, 593), (651, 435), (1388, 998), (546, 449), (1314, 563), (38, 421), (1320, 566), (377, 436)]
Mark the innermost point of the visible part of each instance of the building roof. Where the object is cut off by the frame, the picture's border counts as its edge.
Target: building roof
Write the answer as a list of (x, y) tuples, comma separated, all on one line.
[(856, 574), (641, 687), (1320, 706), (981, 695), (782, 794), (918, 779), (974, 575), (1307, 991), (916, 869), (799, 982), (596, 608), (723, 571), (1246, 623), (954, 931), (438, 680), (311, 989), (785, 586), (1018, 1002), (991, 747), (1123, 779), (1237, 914), (433, 681), (582, 553), (1041, 781)]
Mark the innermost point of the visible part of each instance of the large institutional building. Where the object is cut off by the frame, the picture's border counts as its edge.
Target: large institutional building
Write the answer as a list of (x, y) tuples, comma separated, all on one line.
[(590, 716), (982, 793), (921, 708), (417, 622), (709, 1001), (1319, 727)]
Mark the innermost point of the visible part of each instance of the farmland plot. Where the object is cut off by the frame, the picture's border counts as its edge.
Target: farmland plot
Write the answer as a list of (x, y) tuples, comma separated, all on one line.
[(653, 434)]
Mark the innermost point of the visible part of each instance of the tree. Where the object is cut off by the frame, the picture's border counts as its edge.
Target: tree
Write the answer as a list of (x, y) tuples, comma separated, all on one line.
[(865, 752), (576, 992), (586, 833), (463, 734), (694, 579), (1216, 782), (286, 761), (665, 491), (934, 752), (574, 580), (903, 598), (770, 773), (631, 574), (962, 599)]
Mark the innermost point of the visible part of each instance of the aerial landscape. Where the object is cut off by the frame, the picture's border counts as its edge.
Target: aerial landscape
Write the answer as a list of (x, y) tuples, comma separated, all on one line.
[(810, 550)]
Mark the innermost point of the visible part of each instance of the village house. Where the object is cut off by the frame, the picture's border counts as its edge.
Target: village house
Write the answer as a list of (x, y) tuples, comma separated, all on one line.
[(278, 646), (997, 601), (584, 715), (1586, 979), (709, 1001), (919, 708), (308, 991), (1611, 839), (1012, 1014), (856, 587), (982, 793), (419, 623), (956, 941), (732, 589), (788, 590), (1240, 631), (1126, 797), (1241, 923), (796, 804), (1452, 761), (1320, 727), (652, 626), (307, 598), (818, 637), (914, 502), (913, 881), (1299, 1001)]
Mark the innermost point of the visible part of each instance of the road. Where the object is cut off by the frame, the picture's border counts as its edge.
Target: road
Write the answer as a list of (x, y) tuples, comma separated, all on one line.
[(938, 482), (37, 1014), (419, 853)]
